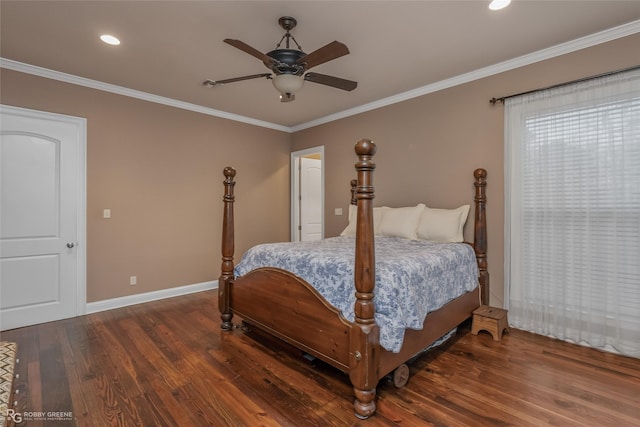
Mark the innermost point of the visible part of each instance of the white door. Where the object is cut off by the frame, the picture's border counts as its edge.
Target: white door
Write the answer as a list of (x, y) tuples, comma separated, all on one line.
[(307, 194), (41, 219), (310, 199)]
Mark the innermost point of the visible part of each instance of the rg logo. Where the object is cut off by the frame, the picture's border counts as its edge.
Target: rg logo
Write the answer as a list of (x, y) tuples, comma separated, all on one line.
[(16, 417)]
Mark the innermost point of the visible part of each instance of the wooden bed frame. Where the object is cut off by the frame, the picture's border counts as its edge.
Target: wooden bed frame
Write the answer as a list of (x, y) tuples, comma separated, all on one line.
[(284, 305)]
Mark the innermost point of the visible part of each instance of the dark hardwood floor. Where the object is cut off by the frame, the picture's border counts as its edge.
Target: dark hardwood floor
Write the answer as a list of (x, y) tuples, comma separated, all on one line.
[(167, 363)]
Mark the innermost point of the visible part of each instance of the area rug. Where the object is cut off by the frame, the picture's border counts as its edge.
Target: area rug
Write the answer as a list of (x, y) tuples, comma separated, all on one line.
[(7, 364)]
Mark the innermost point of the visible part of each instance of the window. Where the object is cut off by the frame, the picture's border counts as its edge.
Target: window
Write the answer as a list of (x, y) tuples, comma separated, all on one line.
[(573, 212)]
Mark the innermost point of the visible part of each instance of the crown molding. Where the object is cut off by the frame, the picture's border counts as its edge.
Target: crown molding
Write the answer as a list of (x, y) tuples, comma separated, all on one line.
[(107, 87), (541, 55)]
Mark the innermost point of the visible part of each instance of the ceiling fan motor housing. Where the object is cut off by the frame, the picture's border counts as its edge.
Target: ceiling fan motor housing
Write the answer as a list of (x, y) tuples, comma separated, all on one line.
[(286, 61)]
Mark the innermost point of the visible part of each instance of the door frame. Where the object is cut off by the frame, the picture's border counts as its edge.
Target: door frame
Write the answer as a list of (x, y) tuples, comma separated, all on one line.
[(295, 188), (81, 192)]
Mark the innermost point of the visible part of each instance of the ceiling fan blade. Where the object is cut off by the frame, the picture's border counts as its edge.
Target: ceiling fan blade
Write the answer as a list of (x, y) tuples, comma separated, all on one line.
[(331, 51), (332, 81), (266, 60), (212, 83)]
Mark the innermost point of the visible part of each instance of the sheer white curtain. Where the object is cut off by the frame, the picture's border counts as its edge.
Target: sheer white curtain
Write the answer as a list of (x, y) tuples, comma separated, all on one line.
[(572, 158)]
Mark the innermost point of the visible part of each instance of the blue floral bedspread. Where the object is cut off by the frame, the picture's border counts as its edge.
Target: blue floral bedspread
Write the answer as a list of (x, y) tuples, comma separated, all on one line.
[(413, 277)]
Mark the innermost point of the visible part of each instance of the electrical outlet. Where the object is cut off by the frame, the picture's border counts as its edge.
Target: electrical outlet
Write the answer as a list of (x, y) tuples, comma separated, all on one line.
[(337, 211), (133, 280), (106, 213)]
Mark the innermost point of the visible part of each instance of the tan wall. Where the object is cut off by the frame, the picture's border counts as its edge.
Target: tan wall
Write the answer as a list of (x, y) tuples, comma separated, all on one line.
[(159, 170), (429, 146)]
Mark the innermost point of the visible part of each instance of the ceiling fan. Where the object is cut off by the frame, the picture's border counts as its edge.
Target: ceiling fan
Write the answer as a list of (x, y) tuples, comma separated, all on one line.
[(290, 66)]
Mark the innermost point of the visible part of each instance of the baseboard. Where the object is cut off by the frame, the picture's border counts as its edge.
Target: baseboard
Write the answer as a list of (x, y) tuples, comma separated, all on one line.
[(110, 304)]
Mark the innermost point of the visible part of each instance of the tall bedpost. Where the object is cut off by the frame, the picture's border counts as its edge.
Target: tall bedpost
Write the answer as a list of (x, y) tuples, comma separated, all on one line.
[(364, 335), (227, 250), (480, 232)]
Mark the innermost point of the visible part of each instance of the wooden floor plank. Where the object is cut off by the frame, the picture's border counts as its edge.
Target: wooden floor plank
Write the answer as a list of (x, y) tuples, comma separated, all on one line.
[(585, 382), (167, 363)]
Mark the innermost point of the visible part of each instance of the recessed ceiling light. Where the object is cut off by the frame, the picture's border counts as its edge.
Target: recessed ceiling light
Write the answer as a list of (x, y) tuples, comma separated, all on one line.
[(499, 4), (109, 39)]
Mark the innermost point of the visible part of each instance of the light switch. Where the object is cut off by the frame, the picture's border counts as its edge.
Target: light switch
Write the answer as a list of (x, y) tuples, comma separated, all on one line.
[(106, 213), (338, 211)]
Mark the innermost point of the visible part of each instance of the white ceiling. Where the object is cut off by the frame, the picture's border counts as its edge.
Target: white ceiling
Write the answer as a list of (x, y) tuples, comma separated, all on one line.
[(169, 47)]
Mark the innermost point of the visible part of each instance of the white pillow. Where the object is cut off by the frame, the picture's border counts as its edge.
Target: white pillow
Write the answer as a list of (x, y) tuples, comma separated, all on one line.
[(443, 225), (353, 218), (401, 222)]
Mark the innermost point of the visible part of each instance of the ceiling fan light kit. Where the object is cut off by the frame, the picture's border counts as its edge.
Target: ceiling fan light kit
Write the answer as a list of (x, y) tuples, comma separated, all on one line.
[(290, 66), (288, 84)]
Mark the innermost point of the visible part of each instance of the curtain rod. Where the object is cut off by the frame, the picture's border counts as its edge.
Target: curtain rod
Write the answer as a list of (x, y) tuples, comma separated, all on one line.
[(494, 101)]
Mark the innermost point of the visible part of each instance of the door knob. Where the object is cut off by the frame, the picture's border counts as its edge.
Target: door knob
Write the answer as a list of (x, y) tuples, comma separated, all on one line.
[(70, 245)]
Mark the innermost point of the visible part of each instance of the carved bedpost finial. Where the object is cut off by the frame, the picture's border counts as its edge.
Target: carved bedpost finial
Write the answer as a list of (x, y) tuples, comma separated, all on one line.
[(229, 172), (481, 180), (227, 249), (365, 147), (480, 237)]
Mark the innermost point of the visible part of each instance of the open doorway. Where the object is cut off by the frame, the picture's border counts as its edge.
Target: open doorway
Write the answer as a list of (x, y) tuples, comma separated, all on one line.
[(307, 194)]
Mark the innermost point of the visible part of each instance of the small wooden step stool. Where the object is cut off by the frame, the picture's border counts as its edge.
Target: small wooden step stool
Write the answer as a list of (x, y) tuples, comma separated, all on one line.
[(490, 319)]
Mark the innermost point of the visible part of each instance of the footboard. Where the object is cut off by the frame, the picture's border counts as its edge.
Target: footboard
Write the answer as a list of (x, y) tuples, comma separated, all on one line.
[(289, 308)]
